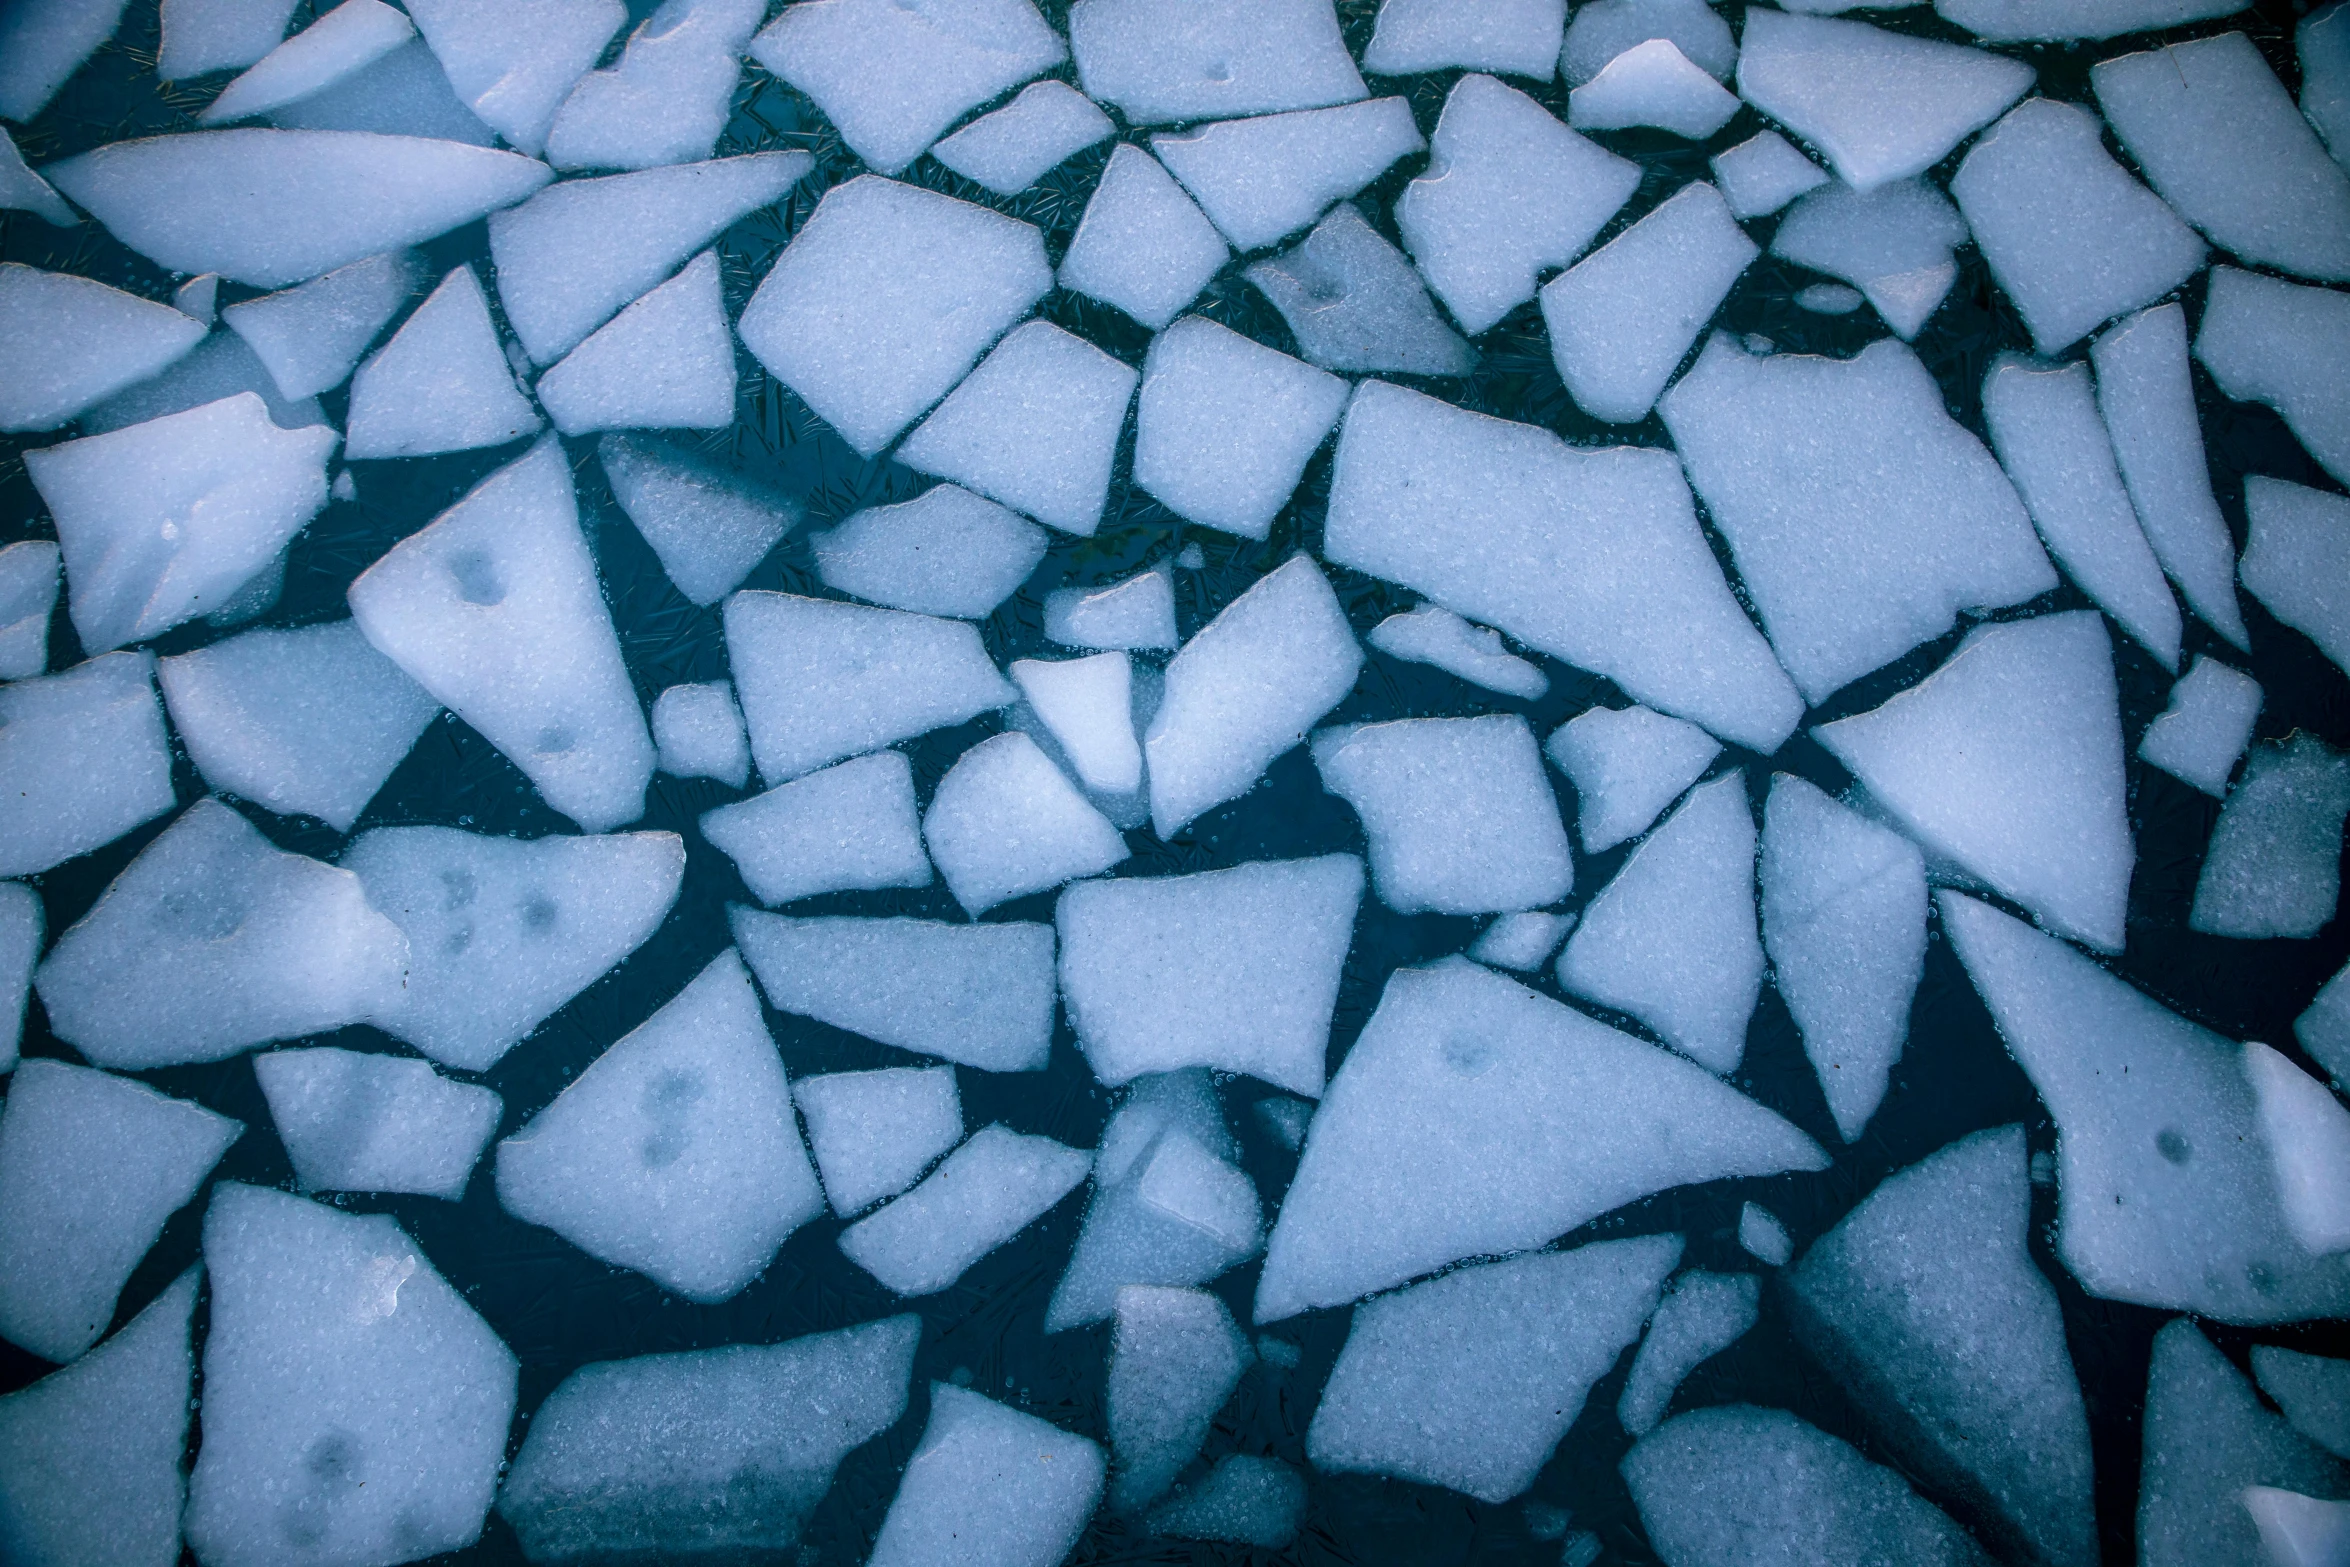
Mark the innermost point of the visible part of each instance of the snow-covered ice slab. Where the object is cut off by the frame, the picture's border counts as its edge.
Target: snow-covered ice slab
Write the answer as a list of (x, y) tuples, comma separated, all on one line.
[(1475, 1117), (708, 526), (664, 363), (495, 609), (1863, 518), (83, 758), (945, 552), (667, 98), (2201, 734), (1469, 1381), (442, 384), (1225, 426), (989, 1484), (1895, 241), (1522, 942), (358, 1122), (1087, 708), (502, 932), (2034, 21), (272, 207), (1594, 558), (1164, 60), (1143, 245), (1006, 822), (1652, 84), (1175, 1358), (2297, 559), (1435, 636), (1762, 174), (699, 733), (1245, 1500), (310, 337), (987, 1191), (875, 1133), (1013, 147), (31, 571), (980, 995), (514, 63), (2274, 867), (352, 1400), (885, 297), (67, 343), (2266, 341), (1233, 969), (1136, 614), (1354, 303), (1513, 37), (2312, 1390), (1699, 1317), (345, 39), (1262, 179), (406, 93), (1627, 765), (848, 826)]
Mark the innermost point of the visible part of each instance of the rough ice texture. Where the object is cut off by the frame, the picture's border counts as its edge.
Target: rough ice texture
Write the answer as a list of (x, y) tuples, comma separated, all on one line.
[(441, 384), (495, 609), (709, 526), (2201, 734), (2031, 21), (1006, 822), (272, 207), (1896, 242), (2186, 1217), (989, 1484), (2220, 139), (1475, 1117), (891, 78), (358, 1122), (43, 42), (220, 366), (1015, 146), (1354, 303), (1234, 969), (1246, 689), (1245, 1500), (667, 97), (1844, 922), (1143, 245), (1175, 1357), (1879, 105), (874, 1133), (675, 1152), (514, 63), (1627, 765), (1671, 940), (945, 552), (1086, 706), (699, 732), (213, 941), (1225, 426), (1262, 179), (1469, 1381), (2298, 558), (2312, 1390), (981, 995), (1594, 558), (1459, 815), (1436, 636), (1621, 321), (1136, 614), (1604, 30), (84, 759), (1652, 84), (1035, 426), (709, 1453), (502, 932), (352, 1400), (664, 363), (2274, 867), (21, 927), (310, 336), (884, 298), (987, 1191), (67, 343), (30, 573), (1163, 60), (1514, 37), (1762, 174), (1863, 518), (90, 1168), (848, 826), (1702, 1315), (1522, 941), (346, 38), (2266, 341)]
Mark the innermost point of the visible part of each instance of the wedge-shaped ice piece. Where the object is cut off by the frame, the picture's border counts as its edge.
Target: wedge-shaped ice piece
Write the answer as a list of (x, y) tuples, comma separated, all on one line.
[(1622, 320), (1702, 1315), (874, 1133), (708, 526), (1475, 1117), (21, 925), (1762, 1237), (2045, 427), (2274, 867), (1175, 1358), (83, 759), (502, 932), (1244, 1500), (1135, 615), (2164, 1188), (708, 1452), (1435, 635), (1011, 149), (666, 99), (884, 298), (2270, 342), (1087, 705), (1522, 942), (68, 342), (664, 363), (675, 1152), (271, 207), (513, 63), (351, 1396), (1652, 84), (1671, 940), (2308, 1137), (30, 570), (406, 93), (2218, 136), (442, 384), (356, 1122), (1627, 765), (1509, 193), (90, 1456), (2031, 21), (989, 1484), (571, 257), (1233, 969), (1246, 689), (346, 39), (1514, 37), (848, 826), (987, 1191), (1895, 241), (1005, 823), (495, 610), (2071, 238), (1354, 303), (309, 337), (1225, 426), (1594, 558), (1604, 30), (1143, 245), (1164, 60), (2297, 558), (2200, 736), (1762, 174), (21, 190), (1744, 1487), (981, 995), (90, 1168), (1469, 1381), (213, 941), (43, 42), (1881, 106), (1262, 179), (699, 732), (946, 552), (2312, 1390), (1844, 921)]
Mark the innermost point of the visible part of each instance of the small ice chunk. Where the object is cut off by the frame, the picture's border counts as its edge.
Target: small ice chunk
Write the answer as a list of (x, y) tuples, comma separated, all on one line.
[(1435, 635), (1469, 1381), (1882, 106), (68, 343), (875, 1133), (21, 926), (1622, 320), (1174, 1359), (1459, 815), (311, 336), (1245, 690), (1035, 426), (2324, 1029), (664, 363), (44, 42), (987, 1191), (2312, 1390), (981, 995), (2274, 867), (989, 1484), (1233, 969), (1762, 174), (821, 681), (1829, 299), (346, 39), (2220, 139), (848, 826), (84, 755), (1225, 427), (406, 93), (1354, 303), (1514, 37), (1142, 245), (30, 571), (1627, 765), (1652, 84), (356, 1122), (698, 732), (1508, 194), (1087, 704), (675, 1152), (1702, 1315), (2266, 341), (515, 62), (2322, 43), (2034, 21), (2200, 735), (1285, 1119), (90, 1168), (2298, 558), (2308, 1137), (884, 298), (1895, 241), (502, 931), (1005, 823), (1523, 941), (21, 190), (442, 384), (1844, 921), (1013, 147), (1260, 180), (1135, 615), (666, 99), (945, 552), (212, 941), (1763, 1237), (1244, 1500), (709, 526), (1165, 60)]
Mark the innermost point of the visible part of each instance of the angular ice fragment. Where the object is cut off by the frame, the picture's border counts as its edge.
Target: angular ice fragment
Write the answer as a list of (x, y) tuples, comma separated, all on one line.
[(1652, 84), (344, 40), (1163, 60), (2308, 1137), (442, 384), (2274, 867), (1702, 1315), (21, 190), (989, 1484), (2324, 1030), (987, 1191), (309, 337), (1435, 635), (1143, 245), (2297, 1529), (1762, 174), (43, 42), (355, 1122), (1523, 941), (1005, 823), (666, 99), (67, 343), (1895, 241), (406, 93), (2298, 558), (84, 759), (1245, 1500), (875, 1133), (851, 825), (30, 571), (1763, 1237), (1286, 1118), (1604, 31), (2271, 342), (1627, 765), (1013, 147), (2312, 1390), (2033, 21), (1226, 426), (1135, 615), (1354, 303), (1262, 179), (664, 363), (708, 526), (1175, 1359), (2203, 731), (201, 36), (945, 552), (514, 62), (1088, 706), (1513, 37), (699, 733)]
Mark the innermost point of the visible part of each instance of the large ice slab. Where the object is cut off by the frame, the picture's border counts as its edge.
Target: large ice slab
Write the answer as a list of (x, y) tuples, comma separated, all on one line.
[(2274, 867), (1006, 822), (1514, 37), (2266, 341), (84, 757), (2298, 557), (309, 337), (514, 63), (2199, 737), (1435, 636), (1354, 303), (1699, 1317), (1164, 60), (664, 363), (1225, 426), (666, 99), (989, 1484), (1627, 765), (1896, 242), (987, 1191), (1174, 1358), (851, 825), (1142, 245), (442, 384), (709, 526), (875, 1133), (1652, 84), (1762, 174), (357, 1122), (2033, 21), (1264, 178), (945, 552), (1013, 147), (69, 342)]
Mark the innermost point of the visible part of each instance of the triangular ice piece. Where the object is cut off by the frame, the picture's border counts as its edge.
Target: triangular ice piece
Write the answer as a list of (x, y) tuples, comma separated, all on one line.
[(1652, 84), (1143, 245), (69, 342), (1174, 1360), (2268, 341), (1702, 1315), (664, 363), (708, 526), (21, 190), (361, 1121), (84, 758), (346, 39), (1005, 823), (2299, 551), (989, 1484), (875, 1133), (309, 337), (1011, 148), (442, 384), (984, 1193), (1165, 60), (514, 62), (1627, 765), (1354, 303)]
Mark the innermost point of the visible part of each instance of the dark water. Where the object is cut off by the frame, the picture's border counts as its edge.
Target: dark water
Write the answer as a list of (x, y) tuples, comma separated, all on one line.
[(559, 1309)]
